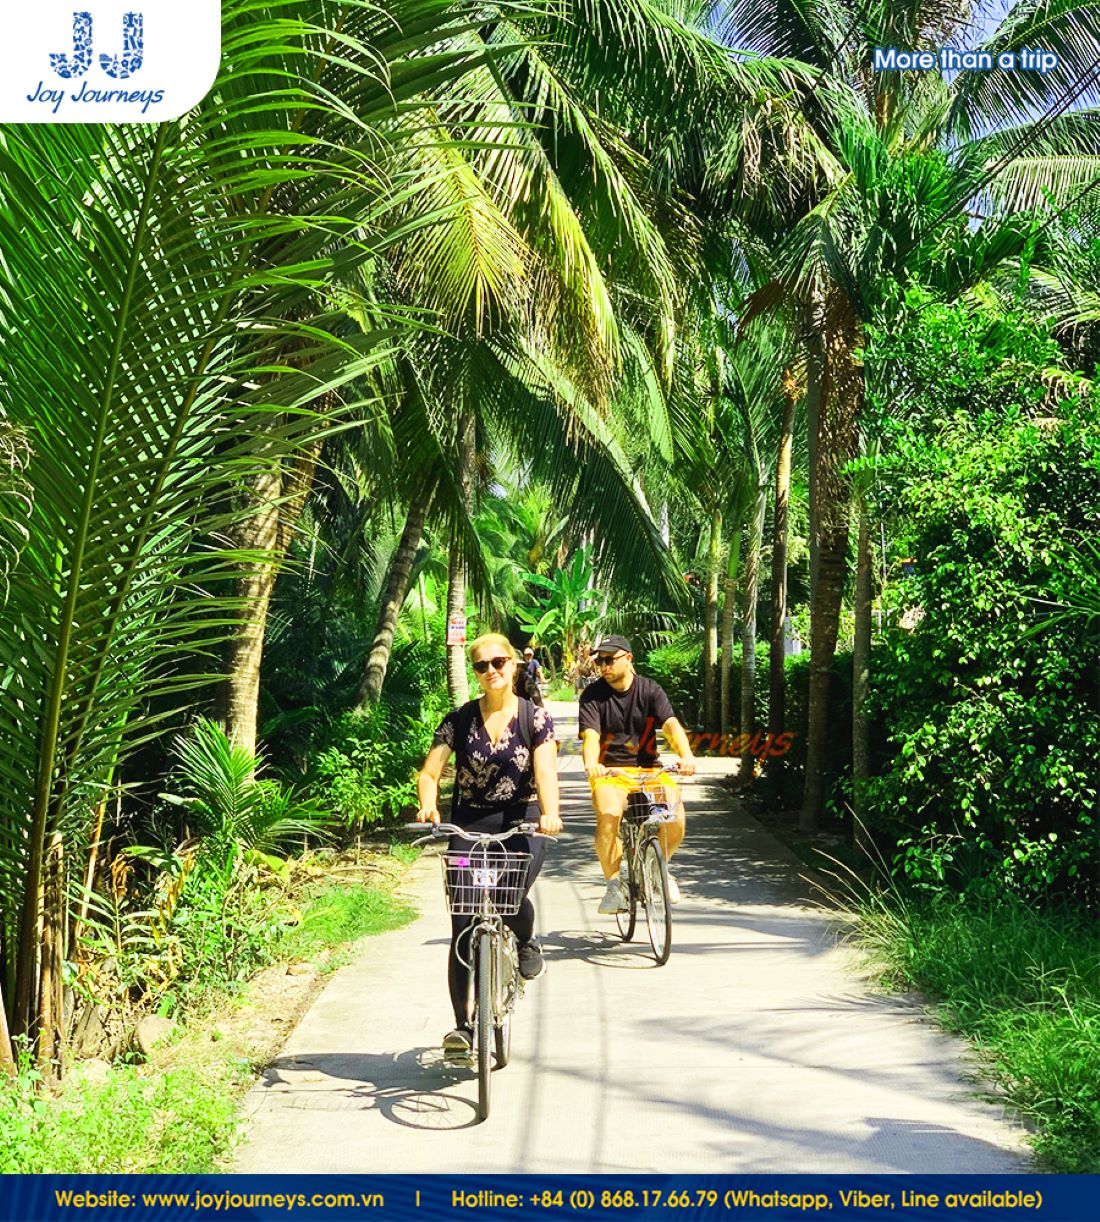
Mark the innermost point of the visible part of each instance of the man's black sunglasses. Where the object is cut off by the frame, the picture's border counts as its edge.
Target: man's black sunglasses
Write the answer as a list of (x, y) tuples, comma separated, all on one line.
[(605, 659), (483, 664)]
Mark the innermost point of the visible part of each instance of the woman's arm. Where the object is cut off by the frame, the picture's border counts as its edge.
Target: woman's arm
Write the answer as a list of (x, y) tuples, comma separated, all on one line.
[(546, 785), (427, 783)]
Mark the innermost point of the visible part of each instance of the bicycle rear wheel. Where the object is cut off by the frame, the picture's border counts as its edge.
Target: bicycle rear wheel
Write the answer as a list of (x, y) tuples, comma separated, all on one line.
[(658, 910), (505, 992), (502, 1040), (484, 1024)]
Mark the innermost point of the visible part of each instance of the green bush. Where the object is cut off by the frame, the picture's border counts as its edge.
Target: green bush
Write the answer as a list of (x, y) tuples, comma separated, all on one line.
[(365, 769), (226, 936), (992, 706), (783, 781), (990, 482), (182, 1120), (678, 668), (233, 812), (176, 1122), (182, 919)]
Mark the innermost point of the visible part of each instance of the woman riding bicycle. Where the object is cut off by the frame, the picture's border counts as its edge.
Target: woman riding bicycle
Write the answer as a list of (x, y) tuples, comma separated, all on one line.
[(504, 754)]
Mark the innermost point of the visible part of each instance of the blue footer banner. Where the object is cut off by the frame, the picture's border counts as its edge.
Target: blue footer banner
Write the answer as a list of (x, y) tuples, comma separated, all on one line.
[(489, 1198)]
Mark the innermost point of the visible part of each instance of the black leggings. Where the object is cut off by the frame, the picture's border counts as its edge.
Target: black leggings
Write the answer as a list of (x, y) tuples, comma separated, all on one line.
[(522, 923)]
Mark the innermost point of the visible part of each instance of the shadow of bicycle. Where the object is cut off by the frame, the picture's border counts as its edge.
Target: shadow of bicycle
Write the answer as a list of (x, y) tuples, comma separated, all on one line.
[(415, 1089), (596, 947)]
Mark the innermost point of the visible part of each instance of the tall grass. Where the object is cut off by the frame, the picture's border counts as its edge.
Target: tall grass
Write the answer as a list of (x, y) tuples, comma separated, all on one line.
[(177, 1122), (180, 1119), (1024, 987)]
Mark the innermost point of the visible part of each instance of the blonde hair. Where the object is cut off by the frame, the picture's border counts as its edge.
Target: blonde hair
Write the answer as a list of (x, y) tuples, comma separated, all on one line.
[(491, 638)]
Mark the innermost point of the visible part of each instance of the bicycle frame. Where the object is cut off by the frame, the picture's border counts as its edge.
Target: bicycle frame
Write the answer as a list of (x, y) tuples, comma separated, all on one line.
[(505, 962), (643, 852), (635, 832), (493, 965)]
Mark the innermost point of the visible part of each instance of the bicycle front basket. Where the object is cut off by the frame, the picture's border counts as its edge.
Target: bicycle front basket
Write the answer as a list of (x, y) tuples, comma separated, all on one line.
[(468, 876), (650, 799)]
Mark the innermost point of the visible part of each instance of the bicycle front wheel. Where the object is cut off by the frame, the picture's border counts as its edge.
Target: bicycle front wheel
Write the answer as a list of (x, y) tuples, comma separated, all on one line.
[(484, 1024), (658, 910)]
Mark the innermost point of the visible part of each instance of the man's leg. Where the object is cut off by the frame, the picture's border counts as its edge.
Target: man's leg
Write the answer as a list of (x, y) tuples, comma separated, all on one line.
[(672, 834), (609, 802)]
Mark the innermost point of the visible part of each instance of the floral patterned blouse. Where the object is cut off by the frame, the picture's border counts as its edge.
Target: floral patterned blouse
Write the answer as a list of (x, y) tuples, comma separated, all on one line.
[(492, 775)]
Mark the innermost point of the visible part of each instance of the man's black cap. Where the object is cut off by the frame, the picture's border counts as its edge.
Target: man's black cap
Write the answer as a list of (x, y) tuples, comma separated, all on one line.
[(612, 644)]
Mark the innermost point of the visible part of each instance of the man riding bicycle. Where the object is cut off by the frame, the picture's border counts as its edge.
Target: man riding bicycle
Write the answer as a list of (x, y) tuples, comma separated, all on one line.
[(619, 717)]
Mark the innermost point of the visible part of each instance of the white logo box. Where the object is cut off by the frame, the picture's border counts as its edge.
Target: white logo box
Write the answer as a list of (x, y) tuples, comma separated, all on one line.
[(106, 61)]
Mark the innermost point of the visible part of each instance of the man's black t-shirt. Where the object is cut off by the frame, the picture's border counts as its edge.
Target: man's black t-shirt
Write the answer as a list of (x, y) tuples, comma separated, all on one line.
[(627, 722)]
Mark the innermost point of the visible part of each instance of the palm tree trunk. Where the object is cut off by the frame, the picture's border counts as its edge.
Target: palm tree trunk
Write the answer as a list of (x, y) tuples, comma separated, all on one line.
[(729, 617), (393, 598), (28, 939), (458, 684), (423, 613), (825, 613), (777, 657), (7, 1055), (297, 485), (861, 681), (278, 496), (841, 400), (50, 996), (813, 325), (710, 623), (748, 632), (259, 534)]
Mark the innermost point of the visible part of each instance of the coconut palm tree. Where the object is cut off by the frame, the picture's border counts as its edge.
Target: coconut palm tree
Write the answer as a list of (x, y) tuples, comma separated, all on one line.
[(883, 173), (536, 180), (555, 124), (759, 362)]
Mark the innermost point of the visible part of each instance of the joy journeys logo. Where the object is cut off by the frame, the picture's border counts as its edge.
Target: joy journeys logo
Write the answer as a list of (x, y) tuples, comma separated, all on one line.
[(94, 62)]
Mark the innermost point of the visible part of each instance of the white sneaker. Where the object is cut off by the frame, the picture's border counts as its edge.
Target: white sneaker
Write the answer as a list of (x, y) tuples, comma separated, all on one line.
[(612, 901), (673, 891)]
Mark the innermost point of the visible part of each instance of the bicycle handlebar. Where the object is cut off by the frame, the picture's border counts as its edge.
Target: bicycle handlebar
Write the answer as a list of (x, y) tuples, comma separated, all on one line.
[(656, 770), (436, 831)]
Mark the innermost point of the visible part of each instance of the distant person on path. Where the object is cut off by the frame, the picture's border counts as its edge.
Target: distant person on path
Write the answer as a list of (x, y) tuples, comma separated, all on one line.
[(584, 672), (619, 717), (504, 753), (529, 677)]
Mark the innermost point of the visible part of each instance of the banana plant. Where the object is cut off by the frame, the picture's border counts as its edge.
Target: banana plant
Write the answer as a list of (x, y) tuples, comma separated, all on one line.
[(570, 606)]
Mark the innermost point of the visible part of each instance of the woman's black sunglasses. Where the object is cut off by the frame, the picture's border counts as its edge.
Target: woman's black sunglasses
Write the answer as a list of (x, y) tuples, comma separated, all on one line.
[(483, 664)]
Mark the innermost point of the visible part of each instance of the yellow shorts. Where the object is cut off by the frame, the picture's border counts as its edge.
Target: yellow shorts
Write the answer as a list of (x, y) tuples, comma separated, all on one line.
[(634, 779)]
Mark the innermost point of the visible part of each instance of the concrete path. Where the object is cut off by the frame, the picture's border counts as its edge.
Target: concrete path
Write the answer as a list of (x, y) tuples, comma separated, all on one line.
[(755, 1048)]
